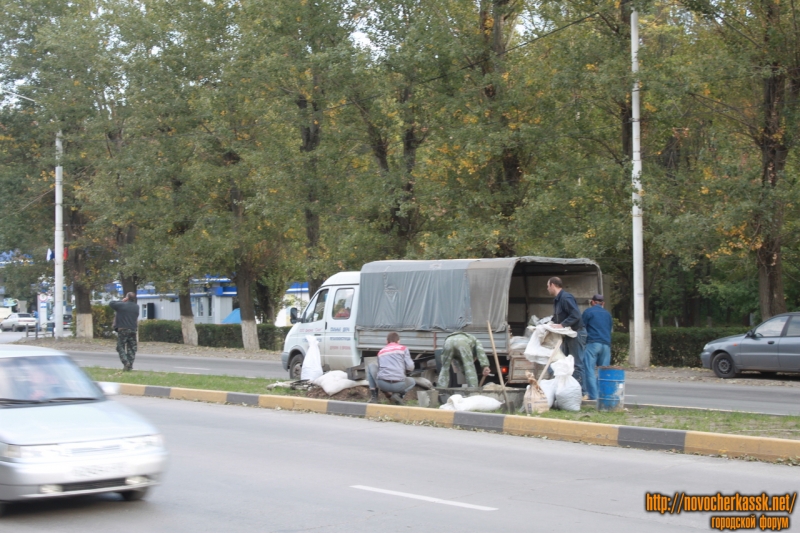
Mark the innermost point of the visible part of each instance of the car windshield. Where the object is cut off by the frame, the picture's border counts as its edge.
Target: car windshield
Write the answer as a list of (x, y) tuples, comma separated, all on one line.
[(44, 379), (24, 315)]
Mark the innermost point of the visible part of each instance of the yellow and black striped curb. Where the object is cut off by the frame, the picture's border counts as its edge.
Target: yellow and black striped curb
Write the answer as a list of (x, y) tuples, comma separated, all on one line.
[(697, 442)]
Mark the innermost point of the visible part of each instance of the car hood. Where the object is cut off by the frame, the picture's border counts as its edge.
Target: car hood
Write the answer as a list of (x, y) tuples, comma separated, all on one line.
[(53, 424), (727, 339)]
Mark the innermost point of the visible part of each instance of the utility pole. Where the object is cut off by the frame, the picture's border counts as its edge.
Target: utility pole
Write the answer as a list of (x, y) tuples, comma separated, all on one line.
[(58, 290), (641, 357)]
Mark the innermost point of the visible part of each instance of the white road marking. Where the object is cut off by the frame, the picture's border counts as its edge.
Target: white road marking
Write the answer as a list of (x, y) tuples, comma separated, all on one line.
[(192, 368), (424, 498)]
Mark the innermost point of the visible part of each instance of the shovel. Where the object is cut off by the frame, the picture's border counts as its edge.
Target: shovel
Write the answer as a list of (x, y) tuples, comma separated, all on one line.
[(499, 370)]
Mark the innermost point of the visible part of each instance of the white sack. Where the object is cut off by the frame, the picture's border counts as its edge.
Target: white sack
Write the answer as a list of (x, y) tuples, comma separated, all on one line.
[(548, 387), (312, 364), (535, 400), (423, 382), (336, 381), (518, 344), (545, 341), (456, 402), (568, 390)]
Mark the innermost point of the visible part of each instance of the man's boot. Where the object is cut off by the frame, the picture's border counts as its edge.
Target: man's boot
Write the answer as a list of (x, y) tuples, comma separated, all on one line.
[(396, 399), (373, 396)]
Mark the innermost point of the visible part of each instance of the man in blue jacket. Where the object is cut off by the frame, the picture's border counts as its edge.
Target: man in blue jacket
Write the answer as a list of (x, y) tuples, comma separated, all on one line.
[(598, 324), (567, 315)]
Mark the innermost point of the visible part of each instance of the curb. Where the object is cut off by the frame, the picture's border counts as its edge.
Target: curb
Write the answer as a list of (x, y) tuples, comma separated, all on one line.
[(694, 442)]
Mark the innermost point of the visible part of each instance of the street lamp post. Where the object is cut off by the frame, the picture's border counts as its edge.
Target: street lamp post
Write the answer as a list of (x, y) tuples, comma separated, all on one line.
[(58, 292)]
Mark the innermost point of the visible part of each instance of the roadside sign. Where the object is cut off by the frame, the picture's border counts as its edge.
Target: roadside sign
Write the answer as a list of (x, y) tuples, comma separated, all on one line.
[(43, 297)]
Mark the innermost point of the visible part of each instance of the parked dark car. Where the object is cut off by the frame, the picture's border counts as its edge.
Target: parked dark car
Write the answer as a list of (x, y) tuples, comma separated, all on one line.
[(771, 347)]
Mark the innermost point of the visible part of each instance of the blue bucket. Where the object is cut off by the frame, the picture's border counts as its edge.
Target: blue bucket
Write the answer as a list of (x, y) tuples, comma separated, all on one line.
[(611, 381)]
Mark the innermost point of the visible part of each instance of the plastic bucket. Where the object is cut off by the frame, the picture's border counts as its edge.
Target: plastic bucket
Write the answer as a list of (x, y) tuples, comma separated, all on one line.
[(611, 381)]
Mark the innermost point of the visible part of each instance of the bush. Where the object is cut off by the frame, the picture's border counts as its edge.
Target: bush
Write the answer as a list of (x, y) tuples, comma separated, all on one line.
[(672, 346), (682, 346), (102, 320), (160, 331), (213, 335)]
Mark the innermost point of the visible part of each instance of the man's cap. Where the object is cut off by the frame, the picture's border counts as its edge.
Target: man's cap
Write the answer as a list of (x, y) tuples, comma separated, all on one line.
[(598, 298)]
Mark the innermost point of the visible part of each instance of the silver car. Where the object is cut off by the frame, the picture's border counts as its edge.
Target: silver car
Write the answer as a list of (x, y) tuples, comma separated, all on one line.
[(18, 322), (771, 347), (61, 436)]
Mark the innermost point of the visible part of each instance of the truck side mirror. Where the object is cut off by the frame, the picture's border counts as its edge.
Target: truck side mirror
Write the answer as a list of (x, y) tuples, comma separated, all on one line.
[(293, 315)]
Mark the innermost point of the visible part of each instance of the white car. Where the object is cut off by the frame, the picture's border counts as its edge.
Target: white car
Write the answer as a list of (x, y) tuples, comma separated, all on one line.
[(17, 322), (60, 435)]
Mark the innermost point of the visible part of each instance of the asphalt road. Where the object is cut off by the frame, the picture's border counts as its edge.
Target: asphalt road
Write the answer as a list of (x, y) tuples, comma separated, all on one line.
[(246, 469), (187, 364), (771, 400)]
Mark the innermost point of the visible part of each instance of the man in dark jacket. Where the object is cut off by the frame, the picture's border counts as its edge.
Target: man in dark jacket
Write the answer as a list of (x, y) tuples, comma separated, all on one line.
[(126, 321), (567, 315)]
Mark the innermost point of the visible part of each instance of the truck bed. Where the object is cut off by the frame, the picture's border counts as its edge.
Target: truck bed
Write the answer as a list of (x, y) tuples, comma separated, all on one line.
[(428, 341)]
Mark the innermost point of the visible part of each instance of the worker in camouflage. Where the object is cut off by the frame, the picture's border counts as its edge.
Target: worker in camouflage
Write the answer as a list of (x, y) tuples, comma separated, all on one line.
[(126, 321), (126, 347), (462, 349)]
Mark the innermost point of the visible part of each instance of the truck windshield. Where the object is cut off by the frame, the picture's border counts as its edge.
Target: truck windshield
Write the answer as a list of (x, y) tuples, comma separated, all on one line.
[(316, 308), (43, 379)]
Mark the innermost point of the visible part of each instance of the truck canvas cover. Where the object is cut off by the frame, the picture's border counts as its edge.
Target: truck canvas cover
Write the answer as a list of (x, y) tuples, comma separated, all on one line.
[(445, 295)]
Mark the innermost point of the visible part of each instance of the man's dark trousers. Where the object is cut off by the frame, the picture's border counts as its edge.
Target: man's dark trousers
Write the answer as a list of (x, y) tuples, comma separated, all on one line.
[(574, 346), (126, 346)]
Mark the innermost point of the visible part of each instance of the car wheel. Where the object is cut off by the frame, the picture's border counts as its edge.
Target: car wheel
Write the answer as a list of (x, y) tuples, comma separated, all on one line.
[(3, 508), (134, 495), (296, 367), (723, 366)]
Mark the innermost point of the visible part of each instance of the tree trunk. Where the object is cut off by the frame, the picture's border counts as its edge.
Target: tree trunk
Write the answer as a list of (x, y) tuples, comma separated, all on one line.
[(129, 284), (310, 135), (245, 278), (769, 221), (188, 329), (266, 300), (84, 324)]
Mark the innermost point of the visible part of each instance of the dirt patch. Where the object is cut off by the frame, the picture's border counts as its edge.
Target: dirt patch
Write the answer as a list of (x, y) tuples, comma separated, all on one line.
[(151, 348), (354, 394)]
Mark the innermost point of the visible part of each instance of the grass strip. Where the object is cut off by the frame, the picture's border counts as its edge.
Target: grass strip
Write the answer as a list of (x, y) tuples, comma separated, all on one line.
[(736, 423), (190, 381)]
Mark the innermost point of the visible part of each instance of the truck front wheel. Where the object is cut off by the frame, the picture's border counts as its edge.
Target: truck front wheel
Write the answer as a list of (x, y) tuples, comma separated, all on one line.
[(295, 366)]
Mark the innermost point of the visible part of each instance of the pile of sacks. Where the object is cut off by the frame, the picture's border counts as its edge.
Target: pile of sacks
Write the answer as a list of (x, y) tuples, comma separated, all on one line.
[(562, 392), (332, 382)]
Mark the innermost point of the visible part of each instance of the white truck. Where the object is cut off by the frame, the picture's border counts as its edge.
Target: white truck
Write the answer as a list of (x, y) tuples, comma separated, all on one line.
[(425, 301)]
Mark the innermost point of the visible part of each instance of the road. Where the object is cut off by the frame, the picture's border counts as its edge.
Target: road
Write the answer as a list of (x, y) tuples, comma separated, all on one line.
[(770, 400), (245, 469)]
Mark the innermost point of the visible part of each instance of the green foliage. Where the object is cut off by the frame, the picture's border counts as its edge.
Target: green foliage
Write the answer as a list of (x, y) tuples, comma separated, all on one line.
[(160, 331), (262, 141), (102, 320), (679, 347), (682, 346), (213, 335), (620, 346)]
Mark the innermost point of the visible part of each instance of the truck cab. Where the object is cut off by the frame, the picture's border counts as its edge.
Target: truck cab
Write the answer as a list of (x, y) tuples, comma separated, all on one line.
[(331, 317)]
